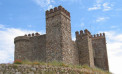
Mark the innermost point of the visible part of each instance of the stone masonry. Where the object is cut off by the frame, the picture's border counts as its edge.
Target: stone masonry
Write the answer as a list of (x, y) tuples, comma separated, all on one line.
[(57, 44)]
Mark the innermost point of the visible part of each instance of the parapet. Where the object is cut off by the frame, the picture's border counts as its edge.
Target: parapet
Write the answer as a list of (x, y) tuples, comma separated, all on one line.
[(25, 37), (21, 38), (32, 35), (59, 8), (101, 35), (83, 33)]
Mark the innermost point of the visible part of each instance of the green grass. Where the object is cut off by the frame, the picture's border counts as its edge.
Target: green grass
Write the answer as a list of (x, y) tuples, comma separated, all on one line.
[(61, 64)]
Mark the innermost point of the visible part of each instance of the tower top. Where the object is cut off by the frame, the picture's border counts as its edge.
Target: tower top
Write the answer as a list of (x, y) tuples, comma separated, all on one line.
[(59, 8)]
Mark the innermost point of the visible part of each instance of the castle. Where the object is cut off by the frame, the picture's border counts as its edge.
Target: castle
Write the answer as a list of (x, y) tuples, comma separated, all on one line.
[(58, 45)]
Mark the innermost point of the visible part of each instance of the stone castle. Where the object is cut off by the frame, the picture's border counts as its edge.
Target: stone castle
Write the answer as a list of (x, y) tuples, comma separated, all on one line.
[(57, 44)]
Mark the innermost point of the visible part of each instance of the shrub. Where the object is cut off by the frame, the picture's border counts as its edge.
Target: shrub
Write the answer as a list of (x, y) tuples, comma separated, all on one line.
[(17, 62)]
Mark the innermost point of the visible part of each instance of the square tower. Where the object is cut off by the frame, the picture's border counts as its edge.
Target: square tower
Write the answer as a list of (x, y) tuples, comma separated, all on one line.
[(100, 51), (84, 45), (58, 35)]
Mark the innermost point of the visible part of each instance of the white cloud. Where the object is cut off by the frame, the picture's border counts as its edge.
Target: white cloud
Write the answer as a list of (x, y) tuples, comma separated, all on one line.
[(114, 46), (7, 36), (99, 19), (106, 7), (95, 7), (44, 3), (99, 5)]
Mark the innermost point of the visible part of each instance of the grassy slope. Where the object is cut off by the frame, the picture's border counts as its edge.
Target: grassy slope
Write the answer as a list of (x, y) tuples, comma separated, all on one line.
[(83, 69)]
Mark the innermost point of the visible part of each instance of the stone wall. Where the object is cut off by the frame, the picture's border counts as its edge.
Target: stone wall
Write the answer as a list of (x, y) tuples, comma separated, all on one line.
[(38, 47), (53, 37), (30, 47), (84, 45), (75, 55), (23, 50), (58, 38), (42, 69), (100, 51)]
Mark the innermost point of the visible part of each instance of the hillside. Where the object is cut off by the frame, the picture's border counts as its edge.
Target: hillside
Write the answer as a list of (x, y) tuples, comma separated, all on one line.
[(47, 68)]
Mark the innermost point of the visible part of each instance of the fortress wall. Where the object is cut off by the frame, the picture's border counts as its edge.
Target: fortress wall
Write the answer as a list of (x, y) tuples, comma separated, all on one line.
[(23, 50), (84, 44), (75, 55), (100, 51), (38, 44)]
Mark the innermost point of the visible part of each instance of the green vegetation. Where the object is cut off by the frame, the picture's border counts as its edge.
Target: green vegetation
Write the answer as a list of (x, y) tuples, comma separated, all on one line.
[(17, 62), (61, 64)]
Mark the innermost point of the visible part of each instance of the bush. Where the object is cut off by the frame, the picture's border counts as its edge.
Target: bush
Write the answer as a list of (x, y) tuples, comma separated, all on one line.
[(17, 62)]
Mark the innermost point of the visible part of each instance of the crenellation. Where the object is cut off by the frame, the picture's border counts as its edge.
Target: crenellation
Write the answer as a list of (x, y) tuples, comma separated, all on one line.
[(59, 9), (87, 32), (25, 35), (32, 34), (100, 34), (63, 10), (37, 34), (94, 36), (97, 36), (29, 35), (77, 33), (57, 44), (47, 12), (51, 11), (104, 34), (55, 9), (81, 32)]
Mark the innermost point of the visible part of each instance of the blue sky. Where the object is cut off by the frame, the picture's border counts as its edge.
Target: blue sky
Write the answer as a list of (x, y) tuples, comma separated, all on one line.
[(18, 17)]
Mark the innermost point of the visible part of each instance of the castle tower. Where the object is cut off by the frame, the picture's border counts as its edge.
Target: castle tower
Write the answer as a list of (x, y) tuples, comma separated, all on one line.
[(100, 51), (22, 48), (58, 35), (84, 45), (31, 47)]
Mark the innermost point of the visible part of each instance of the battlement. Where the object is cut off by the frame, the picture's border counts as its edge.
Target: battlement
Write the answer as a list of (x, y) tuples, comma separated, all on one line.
[(56, 9), (96, 36), (32, 35), (25, 37), (83, 33), (21, 38)]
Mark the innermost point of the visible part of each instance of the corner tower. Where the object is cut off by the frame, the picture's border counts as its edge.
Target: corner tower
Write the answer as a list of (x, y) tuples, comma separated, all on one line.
[(84, 45), (100, 51), (22, 48), (58, 35)]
